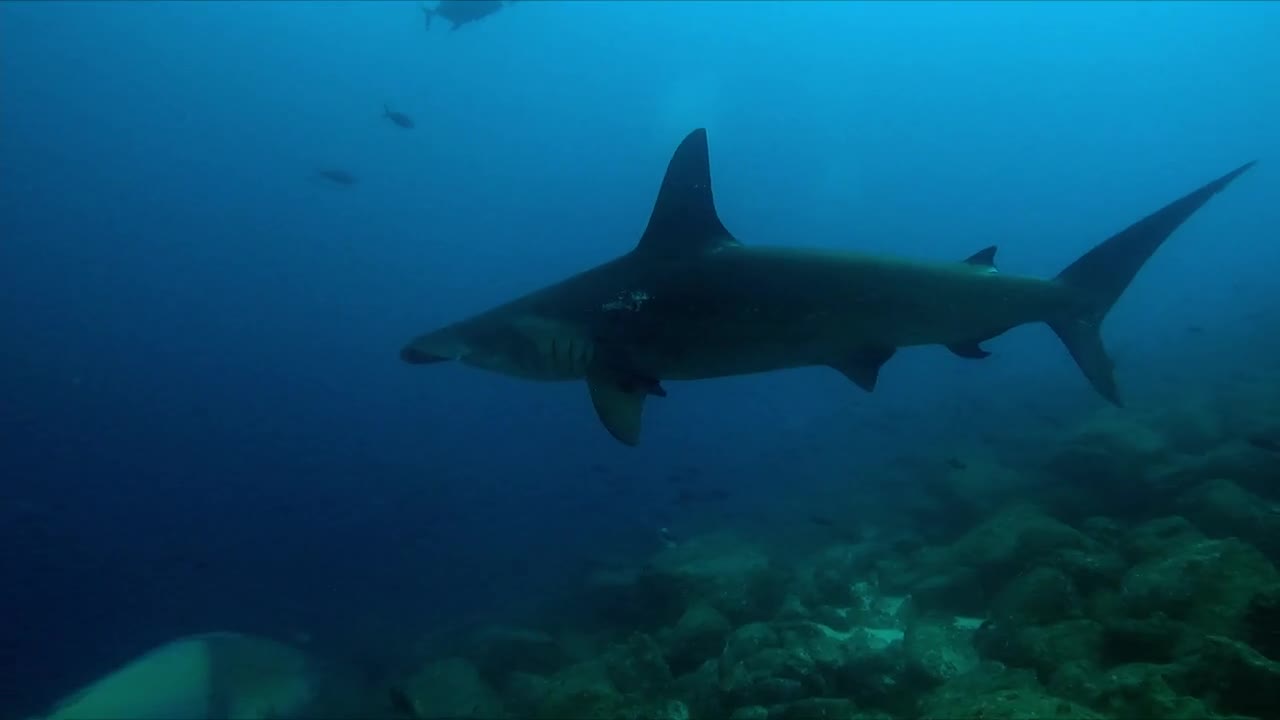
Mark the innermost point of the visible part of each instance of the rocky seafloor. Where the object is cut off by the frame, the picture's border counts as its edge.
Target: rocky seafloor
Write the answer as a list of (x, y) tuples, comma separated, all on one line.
[(1127, 571)]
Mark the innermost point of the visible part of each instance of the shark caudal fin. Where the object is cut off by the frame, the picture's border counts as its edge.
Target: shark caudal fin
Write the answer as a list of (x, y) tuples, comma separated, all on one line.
[(1103, 273)]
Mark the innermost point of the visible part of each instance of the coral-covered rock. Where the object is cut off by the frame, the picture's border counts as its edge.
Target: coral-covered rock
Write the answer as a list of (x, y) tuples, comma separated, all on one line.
[(700, 691), (1041, 648), (782, 663), (734, 577), (992, 692), (1221, 509), (451, 688), (756, 669), (937, 649), (500, 650), (1040, 596), (1127, 691), (637, 665), (1160, 537), (698, 636), (1232, 676), (1210, 584)]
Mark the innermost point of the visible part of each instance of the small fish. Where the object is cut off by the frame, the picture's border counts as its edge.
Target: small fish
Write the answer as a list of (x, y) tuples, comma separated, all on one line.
[(956, 463), (1264, 442), (397, 117), (1195, 329), (688, 496), (460, 12), (821, 520), (341, 177)]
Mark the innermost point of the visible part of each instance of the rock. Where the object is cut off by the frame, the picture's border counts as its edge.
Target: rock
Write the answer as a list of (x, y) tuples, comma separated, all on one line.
[(977, 487), (1041, 648), (1127, 691), (1253, 469), (637, 666), (1262, 622), (584, 691), (1159, 537), (500, 650), (451, 688), (700, 691), (1154, 639), (785, 662), (1003, 546), (523, 693), (1103, 529), (698, 636), (835, 572), (750, 712), (818, 709), (1209, 584), (1040, 596), (1222, 509), (1090, 571), (720, 570), (1105, 465), (755, 669), (992, 692), (1234, 677), (936, 650)]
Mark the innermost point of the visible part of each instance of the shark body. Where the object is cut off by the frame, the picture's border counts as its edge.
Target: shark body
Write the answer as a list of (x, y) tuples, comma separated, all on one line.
[(691, 302), (200, 677)]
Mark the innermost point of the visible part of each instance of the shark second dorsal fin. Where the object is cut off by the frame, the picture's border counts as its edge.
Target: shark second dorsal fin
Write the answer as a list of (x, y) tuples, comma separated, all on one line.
[(684, 218)]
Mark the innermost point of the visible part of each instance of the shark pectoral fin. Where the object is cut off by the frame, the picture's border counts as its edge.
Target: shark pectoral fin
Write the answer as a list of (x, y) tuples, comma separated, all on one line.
[(970, 350), (864, 368), (619, 401)]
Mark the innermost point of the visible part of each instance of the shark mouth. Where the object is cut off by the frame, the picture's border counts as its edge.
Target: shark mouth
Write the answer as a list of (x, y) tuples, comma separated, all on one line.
[(414, 356)]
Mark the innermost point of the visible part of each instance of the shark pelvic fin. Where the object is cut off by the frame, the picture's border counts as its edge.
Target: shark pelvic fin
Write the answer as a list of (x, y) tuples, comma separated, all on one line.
[(971, 350), (864, 367), (619, 401), (984, 258), (684, 218)]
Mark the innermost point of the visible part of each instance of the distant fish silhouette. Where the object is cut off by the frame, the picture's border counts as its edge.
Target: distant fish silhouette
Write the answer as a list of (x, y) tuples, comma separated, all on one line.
[(460, 12), (956, 463), (821, 520), (398, 118), (1265, 442), (341, 177)]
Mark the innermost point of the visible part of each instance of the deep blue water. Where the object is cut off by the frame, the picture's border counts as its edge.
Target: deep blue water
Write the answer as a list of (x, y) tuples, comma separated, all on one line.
[(204, 419)]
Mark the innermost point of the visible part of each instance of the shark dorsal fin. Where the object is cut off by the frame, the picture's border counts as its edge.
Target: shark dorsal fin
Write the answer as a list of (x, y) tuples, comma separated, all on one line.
[(684, 218), (985, 258)]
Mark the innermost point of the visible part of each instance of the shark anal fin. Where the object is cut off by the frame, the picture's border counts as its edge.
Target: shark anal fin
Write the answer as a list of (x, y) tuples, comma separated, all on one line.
[(619, 401), (684, 218), (985, 258), (864, 367), (971, 350)]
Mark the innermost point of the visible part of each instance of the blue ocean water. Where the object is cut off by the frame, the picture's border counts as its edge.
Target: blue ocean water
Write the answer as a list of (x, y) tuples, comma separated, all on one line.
[(203, 418)]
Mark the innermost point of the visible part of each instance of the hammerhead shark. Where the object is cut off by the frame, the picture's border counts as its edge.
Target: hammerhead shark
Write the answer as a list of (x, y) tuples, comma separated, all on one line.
[(691, 302)]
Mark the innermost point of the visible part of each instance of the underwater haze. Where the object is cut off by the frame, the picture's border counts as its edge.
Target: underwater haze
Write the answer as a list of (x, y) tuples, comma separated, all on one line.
[(205, 423)]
